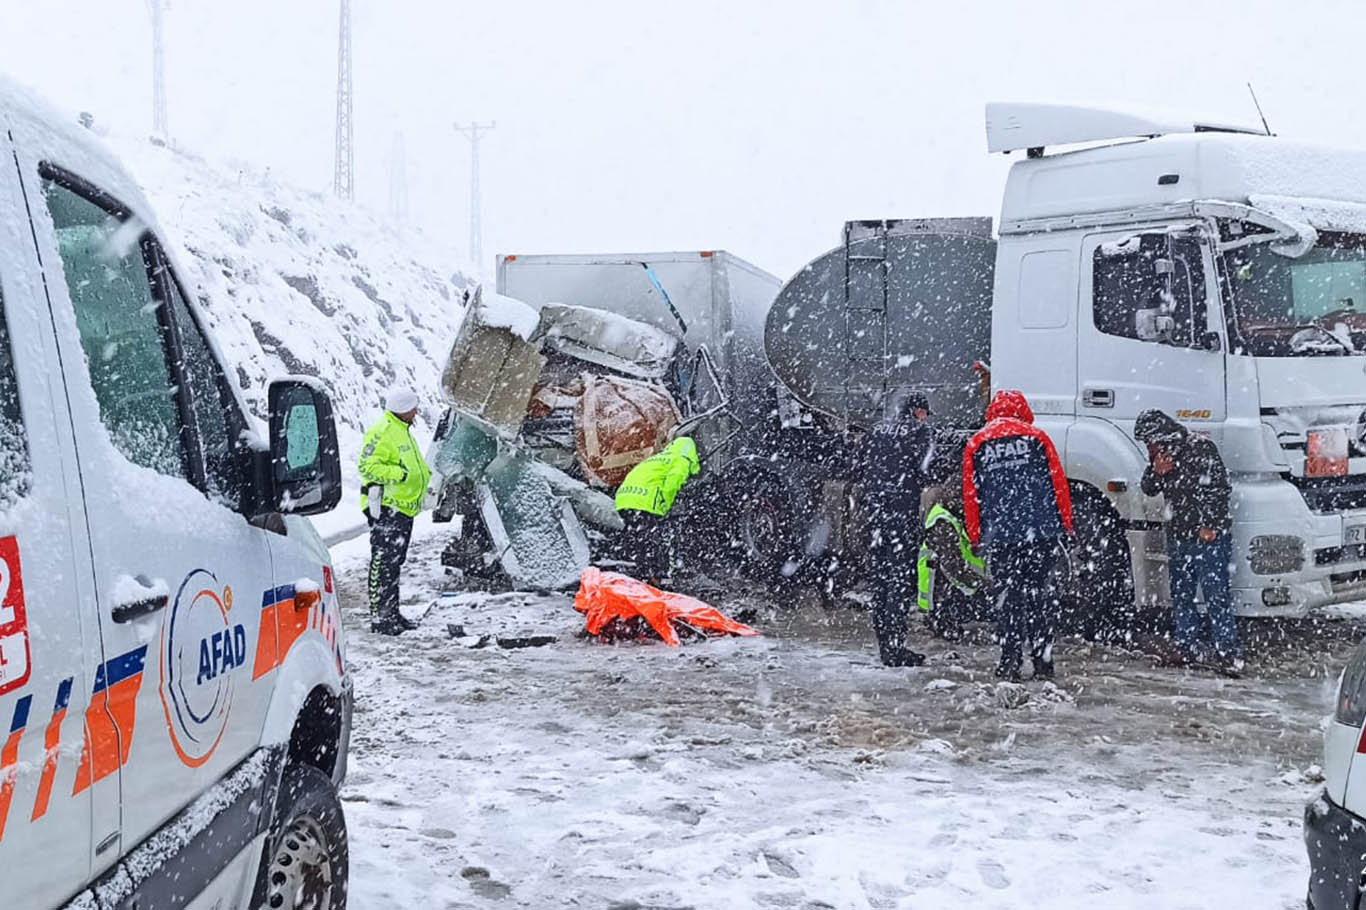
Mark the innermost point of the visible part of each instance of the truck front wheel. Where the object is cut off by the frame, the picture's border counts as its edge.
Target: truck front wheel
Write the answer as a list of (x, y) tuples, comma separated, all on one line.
[(306, 860)]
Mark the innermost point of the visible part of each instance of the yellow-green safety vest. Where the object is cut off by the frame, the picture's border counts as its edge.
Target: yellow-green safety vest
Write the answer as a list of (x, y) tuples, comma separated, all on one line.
[(653, 484), (926, 571), (390, 458)]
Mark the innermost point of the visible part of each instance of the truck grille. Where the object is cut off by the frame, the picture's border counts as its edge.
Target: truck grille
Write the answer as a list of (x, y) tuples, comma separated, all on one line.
[(1332, 494), (1332, 556)]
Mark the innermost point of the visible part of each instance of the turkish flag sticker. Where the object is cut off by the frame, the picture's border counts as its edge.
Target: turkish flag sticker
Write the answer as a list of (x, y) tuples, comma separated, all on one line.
[(14, 652)]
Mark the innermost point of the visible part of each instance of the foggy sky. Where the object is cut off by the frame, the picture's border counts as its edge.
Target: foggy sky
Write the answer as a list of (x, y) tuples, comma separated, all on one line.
[(758, 127)]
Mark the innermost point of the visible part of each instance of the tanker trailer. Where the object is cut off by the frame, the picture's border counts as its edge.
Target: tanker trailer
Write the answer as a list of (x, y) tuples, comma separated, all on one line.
[(900, 306)]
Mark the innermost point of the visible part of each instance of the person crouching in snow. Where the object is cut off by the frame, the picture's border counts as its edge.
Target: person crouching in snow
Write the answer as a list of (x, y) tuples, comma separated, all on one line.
[(394, 478), (953, 578), (1017, 505), (1187, 472), (645, 499)]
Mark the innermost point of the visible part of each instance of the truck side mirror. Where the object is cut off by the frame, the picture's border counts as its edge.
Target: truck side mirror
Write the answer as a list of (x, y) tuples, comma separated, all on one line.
[(305, 465), (1153, 325)]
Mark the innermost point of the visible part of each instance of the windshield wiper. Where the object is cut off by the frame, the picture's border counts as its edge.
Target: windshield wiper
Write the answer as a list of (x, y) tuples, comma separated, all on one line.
[(1299, 344)]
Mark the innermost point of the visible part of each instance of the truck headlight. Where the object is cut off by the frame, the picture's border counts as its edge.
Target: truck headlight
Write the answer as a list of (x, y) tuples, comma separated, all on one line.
[(1276, 554), (1351, 709)]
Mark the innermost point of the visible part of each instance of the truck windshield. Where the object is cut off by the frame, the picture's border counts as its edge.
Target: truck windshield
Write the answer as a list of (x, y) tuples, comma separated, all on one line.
[(1313, 305)]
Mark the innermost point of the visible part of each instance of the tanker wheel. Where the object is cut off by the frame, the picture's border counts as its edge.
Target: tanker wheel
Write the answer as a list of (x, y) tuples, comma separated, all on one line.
[(1097, 597), (765, 524)]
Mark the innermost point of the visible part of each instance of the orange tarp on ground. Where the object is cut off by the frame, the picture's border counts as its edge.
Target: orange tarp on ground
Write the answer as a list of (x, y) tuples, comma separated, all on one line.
[(607, 596)]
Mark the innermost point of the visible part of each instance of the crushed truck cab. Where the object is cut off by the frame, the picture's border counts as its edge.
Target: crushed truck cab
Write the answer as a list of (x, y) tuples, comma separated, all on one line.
[(174, 701)]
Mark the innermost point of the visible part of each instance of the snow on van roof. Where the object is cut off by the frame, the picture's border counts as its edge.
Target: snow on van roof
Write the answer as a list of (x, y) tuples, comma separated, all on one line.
[(60, 139)]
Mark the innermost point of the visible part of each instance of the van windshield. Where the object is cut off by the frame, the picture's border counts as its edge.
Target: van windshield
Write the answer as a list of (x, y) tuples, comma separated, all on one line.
[(1313, 305)]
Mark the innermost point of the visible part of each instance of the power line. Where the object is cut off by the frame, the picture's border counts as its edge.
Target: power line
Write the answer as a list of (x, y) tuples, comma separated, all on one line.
[(344, 173), (472, 133), (398, 180), (157, 10)]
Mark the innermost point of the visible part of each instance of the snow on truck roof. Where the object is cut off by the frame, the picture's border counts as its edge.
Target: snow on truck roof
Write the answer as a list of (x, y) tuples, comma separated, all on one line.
[(1183, 161)]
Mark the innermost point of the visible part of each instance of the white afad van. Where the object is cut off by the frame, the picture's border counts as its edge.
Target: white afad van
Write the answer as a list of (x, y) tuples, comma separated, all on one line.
[(174, 704)]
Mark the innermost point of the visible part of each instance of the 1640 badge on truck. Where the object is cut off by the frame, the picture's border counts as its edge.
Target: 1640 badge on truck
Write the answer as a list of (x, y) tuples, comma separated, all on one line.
[(14, 651)]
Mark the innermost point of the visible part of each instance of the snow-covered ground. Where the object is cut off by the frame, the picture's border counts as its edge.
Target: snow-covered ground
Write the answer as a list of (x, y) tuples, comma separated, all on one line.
[(792, 771)]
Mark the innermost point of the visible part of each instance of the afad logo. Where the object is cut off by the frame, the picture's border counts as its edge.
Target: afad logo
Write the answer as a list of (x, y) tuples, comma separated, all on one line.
[(201, 647)]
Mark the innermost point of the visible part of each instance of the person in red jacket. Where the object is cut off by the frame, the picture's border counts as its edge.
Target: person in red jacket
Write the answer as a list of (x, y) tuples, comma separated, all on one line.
[(1017, 508)]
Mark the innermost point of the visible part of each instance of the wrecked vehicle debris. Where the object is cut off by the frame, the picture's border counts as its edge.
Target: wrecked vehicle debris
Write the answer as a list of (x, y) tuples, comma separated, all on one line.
[(553, 401)]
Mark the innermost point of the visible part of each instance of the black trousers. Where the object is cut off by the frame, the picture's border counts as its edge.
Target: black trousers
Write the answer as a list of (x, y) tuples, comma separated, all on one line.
[(895, 549), (647, 544), (390, 535), (1020, 575)]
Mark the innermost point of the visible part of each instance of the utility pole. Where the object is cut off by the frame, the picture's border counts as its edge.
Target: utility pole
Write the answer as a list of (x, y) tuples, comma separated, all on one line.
[(344, 174), (398, 181), (472, 133), (157, 10)]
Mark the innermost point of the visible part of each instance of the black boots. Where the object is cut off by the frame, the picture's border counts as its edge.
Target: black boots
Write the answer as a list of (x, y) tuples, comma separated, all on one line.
[(394, 624), (1009, 667), (902, 657), (1043, 668)]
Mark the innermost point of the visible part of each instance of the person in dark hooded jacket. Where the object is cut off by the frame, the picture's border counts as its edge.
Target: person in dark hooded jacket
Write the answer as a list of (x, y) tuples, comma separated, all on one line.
[(1017, 506), (894, 468), (1188, 473)]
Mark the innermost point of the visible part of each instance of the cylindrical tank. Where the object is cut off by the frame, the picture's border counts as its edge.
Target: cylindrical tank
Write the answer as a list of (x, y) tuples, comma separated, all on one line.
[(902, 306)]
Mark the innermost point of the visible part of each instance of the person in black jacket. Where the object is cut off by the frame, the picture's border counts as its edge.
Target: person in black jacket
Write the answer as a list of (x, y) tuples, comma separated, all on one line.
[(894, 465), (1187, 472)]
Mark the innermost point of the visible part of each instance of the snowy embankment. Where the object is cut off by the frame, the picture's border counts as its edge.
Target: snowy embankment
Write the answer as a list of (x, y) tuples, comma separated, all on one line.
[(296, 281)]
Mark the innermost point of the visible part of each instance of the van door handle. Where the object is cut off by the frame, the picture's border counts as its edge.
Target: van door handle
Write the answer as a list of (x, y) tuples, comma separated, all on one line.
[(136, 603), (1098, 398)]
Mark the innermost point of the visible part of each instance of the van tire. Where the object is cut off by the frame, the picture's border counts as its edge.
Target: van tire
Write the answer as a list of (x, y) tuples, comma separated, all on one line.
[(1097, 599), (305, 861)]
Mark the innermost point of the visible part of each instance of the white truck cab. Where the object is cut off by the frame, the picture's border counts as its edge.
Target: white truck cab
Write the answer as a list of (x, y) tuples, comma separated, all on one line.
[(174, 703), (1218, 276)]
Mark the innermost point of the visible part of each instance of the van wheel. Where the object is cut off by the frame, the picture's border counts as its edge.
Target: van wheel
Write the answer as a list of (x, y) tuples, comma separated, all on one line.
[(306, 860), (1098, 596)]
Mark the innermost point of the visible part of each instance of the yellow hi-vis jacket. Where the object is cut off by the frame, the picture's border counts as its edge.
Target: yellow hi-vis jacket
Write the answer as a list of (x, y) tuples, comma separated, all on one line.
[(927, 569), (653, 484), (390, 458)]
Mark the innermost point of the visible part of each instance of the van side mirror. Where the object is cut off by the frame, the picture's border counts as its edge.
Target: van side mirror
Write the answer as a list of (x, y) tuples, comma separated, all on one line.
[(305, 466)]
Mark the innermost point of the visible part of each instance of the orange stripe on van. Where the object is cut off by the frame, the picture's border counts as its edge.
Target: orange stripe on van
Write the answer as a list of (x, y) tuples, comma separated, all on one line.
[(275, 603), (109, 721), (9, 756), (52, 739)]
